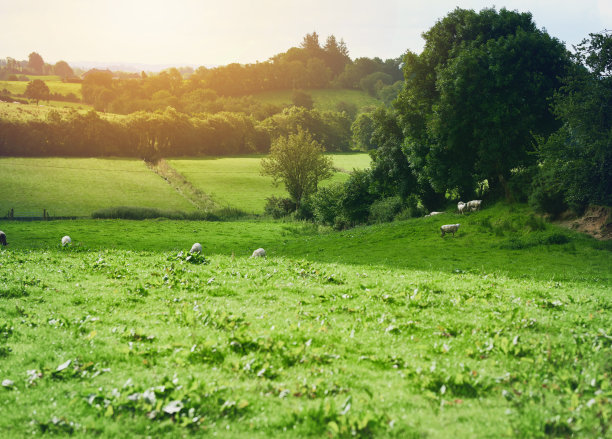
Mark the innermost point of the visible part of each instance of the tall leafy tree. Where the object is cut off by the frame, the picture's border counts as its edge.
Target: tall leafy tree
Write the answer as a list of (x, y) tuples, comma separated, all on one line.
[(576, 160), (299, 163), (476, 95), (37, 90), (63, 69), (36, 63)]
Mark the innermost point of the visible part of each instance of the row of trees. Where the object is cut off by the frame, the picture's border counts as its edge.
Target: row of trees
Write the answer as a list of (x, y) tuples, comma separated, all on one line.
[(306, 67), (34, 65), (152, 135)]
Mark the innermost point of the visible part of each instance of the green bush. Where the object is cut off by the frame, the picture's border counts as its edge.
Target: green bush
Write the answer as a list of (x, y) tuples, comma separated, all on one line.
[(383, 211), (278, 207), (547, 194), (142, 213), (327, 204)]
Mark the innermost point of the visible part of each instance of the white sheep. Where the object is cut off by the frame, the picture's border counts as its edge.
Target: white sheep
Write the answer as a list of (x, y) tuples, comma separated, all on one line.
[(433, 213), (461, 206), (196, 248), (473, 205), (3, 238), (449, 228), (66, 240), (259, 253)]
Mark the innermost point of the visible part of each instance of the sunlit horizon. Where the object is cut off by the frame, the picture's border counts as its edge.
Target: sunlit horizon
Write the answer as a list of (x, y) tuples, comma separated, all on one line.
[(191, 32)]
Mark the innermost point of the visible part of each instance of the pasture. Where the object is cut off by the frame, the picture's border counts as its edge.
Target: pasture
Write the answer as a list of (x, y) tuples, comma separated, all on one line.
[(324, 99), (78, 187), (236, 181), (55, 84), (379, 331)]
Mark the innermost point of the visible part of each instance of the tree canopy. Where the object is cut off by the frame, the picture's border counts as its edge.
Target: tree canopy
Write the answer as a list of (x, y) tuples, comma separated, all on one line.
[(298, 162), (37, 90), (476, 95)]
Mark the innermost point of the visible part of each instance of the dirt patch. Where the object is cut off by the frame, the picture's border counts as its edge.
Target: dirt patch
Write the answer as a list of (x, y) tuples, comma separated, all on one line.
[(596, 221)]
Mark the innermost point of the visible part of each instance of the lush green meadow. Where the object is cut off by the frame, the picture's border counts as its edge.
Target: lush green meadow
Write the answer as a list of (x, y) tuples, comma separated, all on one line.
[(236, 181), (324, 99), (55, 84), (77, 187), (380, 331)]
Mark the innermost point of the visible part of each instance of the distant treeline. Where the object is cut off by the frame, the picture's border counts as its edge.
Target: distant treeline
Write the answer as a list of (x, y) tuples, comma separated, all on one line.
[(310, 66), (169, 133)]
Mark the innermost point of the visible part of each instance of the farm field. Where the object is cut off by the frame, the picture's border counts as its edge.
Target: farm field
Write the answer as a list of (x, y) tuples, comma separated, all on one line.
[(54, 83), (27, 112), (379, 331), (324, 99), (236, 181), (34, 184), (77, 187)]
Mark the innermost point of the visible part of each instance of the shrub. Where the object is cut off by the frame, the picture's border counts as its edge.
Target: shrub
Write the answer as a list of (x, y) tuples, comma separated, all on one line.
[(141, 213), (412, 209), (358, 195), (327, 204), (385, 210), (547, 194), (278, 207)]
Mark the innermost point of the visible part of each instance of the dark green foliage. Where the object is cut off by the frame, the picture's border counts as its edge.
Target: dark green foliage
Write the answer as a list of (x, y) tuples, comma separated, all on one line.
[(357, 195), (140, 213), (302, 99), (362, 130), (278, 207), (547, 193), (382, 211), (577, 159), (475, 96), (392, 173), (330, 128), (327, 203)]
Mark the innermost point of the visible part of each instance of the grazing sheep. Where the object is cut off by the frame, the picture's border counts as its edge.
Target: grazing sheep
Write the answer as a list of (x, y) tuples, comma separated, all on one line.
[(432, 214), (461, 206), (196, 248), (449, 228), (259, 253), (473, 205), (3, 238), (66, 240)]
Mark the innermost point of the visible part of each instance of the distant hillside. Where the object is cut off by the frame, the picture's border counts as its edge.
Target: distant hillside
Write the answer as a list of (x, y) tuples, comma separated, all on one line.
[(324, 99)]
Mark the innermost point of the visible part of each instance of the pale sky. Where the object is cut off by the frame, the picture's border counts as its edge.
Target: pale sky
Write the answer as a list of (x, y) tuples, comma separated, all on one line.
[(207, 32)]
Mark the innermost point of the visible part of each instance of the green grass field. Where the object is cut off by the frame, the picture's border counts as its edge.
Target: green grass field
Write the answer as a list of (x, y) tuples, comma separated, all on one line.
[(236, 181), (324, 99), (27, 112), (77, 187), (379, 331), (54, 83)]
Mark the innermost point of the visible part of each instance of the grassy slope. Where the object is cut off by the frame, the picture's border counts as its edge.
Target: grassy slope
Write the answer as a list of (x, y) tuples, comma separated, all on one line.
[(27, 112), (67, 187), (282, 346), (324, 99), (235, 181)]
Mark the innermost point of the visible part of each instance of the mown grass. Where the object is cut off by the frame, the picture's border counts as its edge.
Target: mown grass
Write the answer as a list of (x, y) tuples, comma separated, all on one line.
[(324, 99), (77, 187), (120, 335)]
